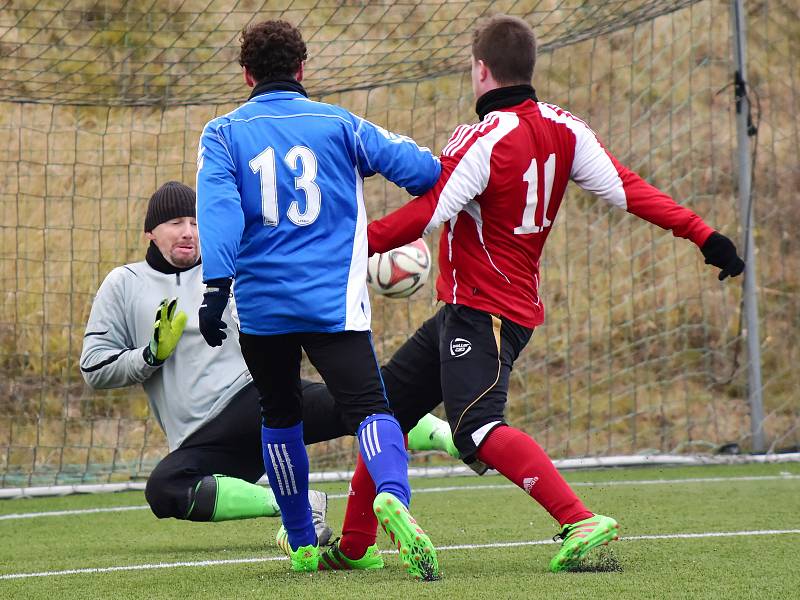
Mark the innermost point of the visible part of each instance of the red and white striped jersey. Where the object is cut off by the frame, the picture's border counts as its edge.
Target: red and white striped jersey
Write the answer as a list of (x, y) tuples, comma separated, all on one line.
[(501, 186)]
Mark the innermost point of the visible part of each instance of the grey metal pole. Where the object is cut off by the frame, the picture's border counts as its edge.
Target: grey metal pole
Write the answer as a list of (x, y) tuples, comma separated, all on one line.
[(745, 207)]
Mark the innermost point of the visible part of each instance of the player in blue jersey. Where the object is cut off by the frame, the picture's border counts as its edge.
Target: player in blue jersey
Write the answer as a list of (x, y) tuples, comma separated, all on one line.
[(280, 211)]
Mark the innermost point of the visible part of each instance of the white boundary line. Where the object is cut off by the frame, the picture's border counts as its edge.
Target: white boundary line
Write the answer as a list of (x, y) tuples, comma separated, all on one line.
[(453, 488), (237, 561), (77, 511), (638, 460)]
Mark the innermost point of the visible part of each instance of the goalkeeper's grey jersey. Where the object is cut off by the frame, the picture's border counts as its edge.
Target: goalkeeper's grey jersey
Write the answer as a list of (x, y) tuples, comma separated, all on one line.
[(194, 384)]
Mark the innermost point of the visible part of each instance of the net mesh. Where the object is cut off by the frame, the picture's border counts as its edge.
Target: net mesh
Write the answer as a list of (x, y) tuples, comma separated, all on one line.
[(186, 52), (642, 349)]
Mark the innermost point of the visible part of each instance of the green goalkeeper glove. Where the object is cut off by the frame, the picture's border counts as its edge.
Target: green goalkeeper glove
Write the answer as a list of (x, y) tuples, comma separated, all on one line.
[(167, 330)]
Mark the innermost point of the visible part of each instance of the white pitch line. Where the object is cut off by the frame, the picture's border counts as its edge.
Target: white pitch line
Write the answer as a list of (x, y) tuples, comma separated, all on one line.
[(500, 486), (145, 567), (453, 488), (77, 511), (238, 561)]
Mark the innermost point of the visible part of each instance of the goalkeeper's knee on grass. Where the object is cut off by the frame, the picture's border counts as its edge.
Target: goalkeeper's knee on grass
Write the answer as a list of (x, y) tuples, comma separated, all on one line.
[(221, 498)]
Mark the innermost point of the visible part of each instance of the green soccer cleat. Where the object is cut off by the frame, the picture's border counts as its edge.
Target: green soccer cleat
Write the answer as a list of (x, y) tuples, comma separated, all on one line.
[(415, 547), (578, 538), (334, 560), (432, 433), (305, 558)]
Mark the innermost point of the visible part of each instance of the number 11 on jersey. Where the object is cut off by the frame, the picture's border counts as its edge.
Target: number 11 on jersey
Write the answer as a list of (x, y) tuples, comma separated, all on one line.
[(531, 177)]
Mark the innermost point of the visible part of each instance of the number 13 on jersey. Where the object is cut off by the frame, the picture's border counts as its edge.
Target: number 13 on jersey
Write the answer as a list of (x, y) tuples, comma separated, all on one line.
[(263, 165)]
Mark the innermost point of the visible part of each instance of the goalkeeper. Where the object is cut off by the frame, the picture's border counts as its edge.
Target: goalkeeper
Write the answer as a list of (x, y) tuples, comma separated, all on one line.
[(202, 397)]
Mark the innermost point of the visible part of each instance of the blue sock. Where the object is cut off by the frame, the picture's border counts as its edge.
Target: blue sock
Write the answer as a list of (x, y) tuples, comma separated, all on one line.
[(384, 451), (286, 463)]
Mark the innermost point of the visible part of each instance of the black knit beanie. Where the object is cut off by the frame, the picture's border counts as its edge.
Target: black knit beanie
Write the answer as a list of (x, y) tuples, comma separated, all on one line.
[(171, 200)]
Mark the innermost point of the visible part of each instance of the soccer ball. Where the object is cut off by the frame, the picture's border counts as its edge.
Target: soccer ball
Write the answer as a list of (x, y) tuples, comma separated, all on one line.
[(400, 272)]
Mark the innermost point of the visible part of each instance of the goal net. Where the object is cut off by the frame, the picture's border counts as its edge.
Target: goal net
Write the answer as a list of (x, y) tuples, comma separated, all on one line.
[(643, 349)]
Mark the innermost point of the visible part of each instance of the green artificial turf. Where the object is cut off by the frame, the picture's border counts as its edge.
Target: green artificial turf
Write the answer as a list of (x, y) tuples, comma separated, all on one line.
[(470, 526)]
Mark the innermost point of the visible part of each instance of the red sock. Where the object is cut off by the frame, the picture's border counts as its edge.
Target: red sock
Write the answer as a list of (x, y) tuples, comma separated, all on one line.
[(522, 461), (360, 527)]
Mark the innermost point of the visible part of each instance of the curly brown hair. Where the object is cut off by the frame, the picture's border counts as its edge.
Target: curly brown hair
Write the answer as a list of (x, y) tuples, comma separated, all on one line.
[(272, 50)]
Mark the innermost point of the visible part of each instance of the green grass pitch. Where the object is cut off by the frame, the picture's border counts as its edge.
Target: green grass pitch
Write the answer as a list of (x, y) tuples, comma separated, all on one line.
[(491, 540)]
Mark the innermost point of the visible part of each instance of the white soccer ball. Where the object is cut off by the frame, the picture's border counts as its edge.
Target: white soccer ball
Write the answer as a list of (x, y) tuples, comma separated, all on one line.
[(400, 272)]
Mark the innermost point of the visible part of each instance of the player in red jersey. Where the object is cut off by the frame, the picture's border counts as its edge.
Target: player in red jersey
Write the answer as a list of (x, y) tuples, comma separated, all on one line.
[(502, 183)]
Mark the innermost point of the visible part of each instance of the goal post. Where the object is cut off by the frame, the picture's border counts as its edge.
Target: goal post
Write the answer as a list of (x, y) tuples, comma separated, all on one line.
[(643, 350)]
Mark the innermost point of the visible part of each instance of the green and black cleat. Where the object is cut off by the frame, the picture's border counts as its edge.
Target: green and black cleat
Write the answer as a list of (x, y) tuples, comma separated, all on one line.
[(332, 559), (416, 550), (578, 538)]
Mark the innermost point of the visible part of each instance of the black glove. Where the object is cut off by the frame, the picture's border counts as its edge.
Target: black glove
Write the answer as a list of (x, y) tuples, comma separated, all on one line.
[(210, 315), (720, 252)]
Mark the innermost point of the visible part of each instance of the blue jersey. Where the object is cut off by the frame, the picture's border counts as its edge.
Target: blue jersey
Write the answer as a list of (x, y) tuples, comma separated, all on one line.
[(280, 209)]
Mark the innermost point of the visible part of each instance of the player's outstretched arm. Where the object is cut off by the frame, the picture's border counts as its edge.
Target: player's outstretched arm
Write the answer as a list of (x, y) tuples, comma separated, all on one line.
[(653, 205), (598, 171), (465, 175), (403, 225), (110, 357), (396, 157), (425, 213)]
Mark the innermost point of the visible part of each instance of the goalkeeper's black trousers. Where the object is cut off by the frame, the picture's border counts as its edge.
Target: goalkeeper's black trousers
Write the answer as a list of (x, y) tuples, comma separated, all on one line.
[(230, 444)]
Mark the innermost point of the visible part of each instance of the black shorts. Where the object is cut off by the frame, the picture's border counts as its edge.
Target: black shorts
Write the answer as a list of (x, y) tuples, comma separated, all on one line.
[(230, 444), (345, 360), (462, 357)]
